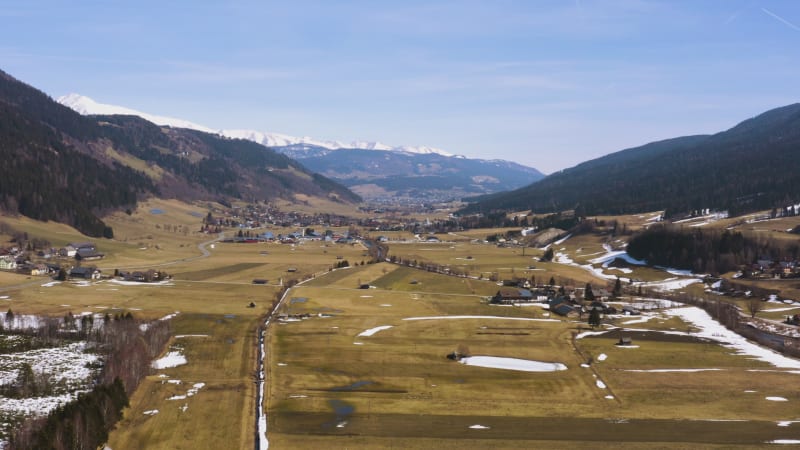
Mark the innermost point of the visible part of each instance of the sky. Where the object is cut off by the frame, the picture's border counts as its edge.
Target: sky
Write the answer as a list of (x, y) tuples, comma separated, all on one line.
[(548, 84)]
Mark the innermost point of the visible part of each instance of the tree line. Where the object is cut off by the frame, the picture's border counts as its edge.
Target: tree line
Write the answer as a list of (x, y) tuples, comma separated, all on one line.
[(704, 251)]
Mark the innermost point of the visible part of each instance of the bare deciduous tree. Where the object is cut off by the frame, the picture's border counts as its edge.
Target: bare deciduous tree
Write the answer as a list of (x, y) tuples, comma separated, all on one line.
[(754, 306)]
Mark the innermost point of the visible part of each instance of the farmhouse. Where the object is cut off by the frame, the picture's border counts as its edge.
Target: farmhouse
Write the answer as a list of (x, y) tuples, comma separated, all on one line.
[(39, 269), (88, 254), (562, 306), (8, 262), (85, 273), (511, 295)]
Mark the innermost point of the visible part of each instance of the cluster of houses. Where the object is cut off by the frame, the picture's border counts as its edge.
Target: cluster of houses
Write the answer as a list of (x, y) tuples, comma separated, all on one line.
[(560, 301), (294, 237), (40, 263), (768, 268)]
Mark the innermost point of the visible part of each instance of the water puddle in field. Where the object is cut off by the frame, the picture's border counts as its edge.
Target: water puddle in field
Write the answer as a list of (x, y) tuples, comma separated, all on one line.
[(352, 387), (342, 410)]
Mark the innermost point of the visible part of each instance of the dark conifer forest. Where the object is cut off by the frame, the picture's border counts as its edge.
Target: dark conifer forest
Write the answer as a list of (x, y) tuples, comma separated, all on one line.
[(61, 166), (753, 166)]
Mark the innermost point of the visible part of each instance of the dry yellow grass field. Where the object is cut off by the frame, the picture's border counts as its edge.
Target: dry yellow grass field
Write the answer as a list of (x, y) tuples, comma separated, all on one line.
[(329, 385), (395, 388)]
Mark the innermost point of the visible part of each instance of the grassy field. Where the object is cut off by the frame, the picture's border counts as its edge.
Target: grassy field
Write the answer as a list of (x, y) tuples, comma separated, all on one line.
[(331, 387), (328, 387)]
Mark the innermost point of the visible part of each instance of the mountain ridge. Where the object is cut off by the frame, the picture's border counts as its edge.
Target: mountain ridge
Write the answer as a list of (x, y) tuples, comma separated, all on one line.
[(377, 171), (63, 166), (751, 166), (88, 106)]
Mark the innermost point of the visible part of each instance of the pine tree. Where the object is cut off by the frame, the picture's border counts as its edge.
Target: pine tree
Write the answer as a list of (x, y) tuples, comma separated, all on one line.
[(594, 317), (588, 294)]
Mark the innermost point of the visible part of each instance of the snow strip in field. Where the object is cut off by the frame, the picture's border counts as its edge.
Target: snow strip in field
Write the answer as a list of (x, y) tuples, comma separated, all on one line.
[(776, 399), (600, 384), (372, 331), (669, 370), (611, 255), (151, 412), (480, 317), (479, 427), (178, 336), (590, 333), (784, 441), (671, 284), (141, 283), (562, 240), (171, 359), (713, 330), (642, 319), (523, 365), (786, 423)]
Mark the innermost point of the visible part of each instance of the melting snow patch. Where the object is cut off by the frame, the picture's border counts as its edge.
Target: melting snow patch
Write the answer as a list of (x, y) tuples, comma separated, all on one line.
[(298, 396), (670, 370), (480, 317), (372, 331), (609, 397), (602, 357), (641, 319), (786, 423), (590, 333), (522, 365), (358, 343), (151, 412), (179, 336), (386, 305), (784, 441), (142, 283), (479, 427), (710, 329), (171, 359), (51, 284), (776, 399), (341, 424), (600, 384), (195, 387)]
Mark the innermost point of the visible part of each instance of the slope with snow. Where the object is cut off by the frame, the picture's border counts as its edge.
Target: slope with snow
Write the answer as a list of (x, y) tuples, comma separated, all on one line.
[(87, 106)]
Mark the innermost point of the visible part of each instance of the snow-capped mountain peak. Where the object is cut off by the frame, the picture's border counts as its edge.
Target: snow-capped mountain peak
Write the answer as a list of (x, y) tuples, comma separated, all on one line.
[(87, 106)]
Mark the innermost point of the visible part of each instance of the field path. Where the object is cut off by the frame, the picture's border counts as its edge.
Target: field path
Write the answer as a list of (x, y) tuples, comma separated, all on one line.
[(201, 246)]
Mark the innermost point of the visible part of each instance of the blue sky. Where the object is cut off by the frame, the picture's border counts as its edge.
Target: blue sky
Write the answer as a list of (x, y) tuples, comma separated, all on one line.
[(545, 83)]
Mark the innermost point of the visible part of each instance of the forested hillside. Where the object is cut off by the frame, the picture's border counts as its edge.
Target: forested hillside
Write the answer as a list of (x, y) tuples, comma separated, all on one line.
[(70, 168), (44, 178), (417, 174), (749, 167)]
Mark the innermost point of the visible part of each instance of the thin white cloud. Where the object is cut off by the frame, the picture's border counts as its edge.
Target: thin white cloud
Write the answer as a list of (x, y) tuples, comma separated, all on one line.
[(780, 19)]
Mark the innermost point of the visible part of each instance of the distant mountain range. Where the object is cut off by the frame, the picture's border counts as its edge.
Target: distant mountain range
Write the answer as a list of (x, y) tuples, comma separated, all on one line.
[(63, 166), (374, 170), (752, 166), (88, 106)]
